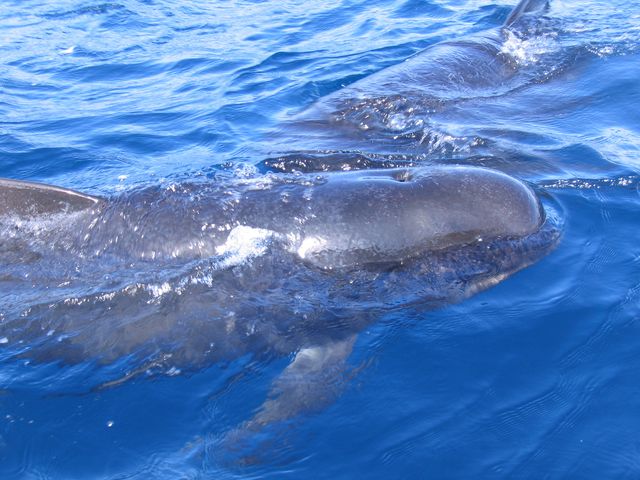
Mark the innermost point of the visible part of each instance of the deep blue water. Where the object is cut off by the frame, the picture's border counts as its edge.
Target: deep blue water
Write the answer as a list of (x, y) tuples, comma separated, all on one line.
[(536, 377)]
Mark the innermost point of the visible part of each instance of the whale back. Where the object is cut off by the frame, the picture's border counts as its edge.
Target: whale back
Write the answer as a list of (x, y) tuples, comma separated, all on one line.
[(349, 219), (28, 199)]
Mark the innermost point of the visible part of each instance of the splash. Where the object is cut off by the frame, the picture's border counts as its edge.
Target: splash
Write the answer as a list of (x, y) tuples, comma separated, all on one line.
[(530, 50)]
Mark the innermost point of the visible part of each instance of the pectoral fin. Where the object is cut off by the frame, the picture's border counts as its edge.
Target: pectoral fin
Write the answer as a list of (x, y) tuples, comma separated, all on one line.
[(314, 378)]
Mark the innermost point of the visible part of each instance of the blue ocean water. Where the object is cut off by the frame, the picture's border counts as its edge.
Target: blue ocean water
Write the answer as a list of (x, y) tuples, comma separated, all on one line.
[(535, 377)]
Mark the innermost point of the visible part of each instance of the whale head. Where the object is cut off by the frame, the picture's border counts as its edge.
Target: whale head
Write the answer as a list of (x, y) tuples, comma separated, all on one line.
[(392, 215)]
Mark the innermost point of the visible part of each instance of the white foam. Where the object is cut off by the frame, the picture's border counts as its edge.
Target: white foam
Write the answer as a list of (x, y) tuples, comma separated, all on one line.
[(530, 50), (159, 290), (310, 245)]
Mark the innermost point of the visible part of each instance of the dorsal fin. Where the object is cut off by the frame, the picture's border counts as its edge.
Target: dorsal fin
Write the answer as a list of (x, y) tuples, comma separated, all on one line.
[(525, 7), (32, 199)]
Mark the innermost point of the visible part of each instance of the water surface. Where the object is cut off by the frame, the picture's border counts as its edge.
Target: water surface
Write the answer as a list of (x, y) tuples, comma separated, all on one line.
[(536, 377)]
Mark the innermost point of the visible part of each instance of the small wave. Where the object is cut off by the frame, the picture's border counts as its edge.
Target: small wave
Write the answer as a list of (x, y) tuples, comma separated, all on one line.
[(98, 9), (626, 181), (620, 145)]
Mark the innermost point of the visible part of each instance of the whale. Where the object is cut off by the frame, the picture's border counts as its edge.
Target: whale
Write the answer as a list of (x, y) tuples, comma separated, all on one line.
[(183, 275), (178, 276), (402, 105)]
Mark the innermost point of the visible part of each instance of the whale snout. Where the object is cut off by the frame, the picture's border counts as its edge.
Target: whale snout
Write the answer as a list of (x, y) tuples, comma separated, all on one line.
[(479, 201)]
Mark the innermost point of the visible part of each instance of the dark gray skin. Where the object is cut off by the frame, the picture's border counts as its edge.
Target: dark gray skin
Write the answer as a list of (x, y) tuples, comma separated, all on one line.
[(330, 221)]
